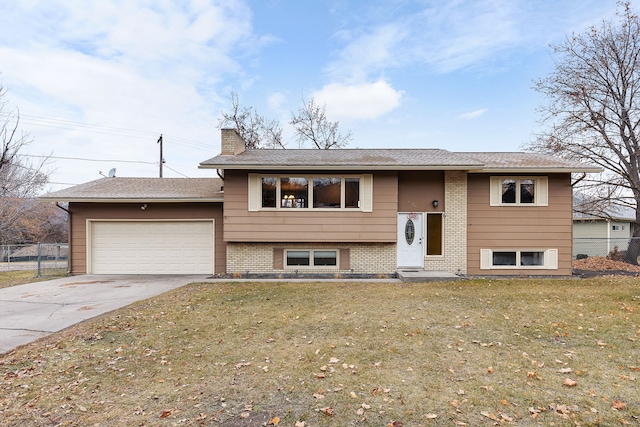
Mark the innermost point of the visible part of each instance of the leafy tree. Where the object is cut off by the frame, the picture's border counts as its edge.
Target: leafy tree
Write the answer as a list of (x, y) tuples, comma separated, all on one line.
[(20, 179), (310, 124), (593, 113)]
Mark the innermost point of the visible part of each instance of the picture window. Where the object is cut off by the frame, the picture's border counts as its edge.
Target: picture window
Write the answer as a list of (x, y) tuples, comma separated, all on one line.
[(315, 192)]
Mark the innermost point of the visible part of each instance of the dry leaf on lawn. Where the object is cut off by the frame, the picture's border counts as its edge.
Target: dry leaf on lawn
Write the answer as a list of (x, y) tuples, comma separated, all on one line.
[(274, 421), (618, 405)]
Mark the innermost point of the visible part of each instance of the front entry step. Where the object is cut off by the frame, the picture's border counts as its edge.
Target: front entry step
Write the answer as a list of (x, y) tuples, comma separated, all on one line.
[(416, 275)]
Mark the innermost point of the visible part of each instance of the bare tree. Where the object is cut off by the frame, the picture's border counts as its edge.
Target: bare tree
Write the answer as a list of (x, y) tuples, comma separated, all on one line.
[(593, 113), (311, 125), (20, 179), (256, 130)]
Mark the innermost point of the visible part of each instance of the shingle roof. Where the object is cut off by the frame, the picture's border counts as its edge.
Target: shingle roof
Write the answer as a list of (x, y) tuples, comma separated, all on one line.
[(343, 159), (142, 189), (393, 159), (494, 161)]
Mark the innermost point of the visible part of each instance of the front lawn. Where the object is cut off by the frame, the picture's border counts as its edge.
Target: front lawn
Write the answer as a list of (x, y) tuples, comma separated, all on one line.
[(478, 352), (21, 277)]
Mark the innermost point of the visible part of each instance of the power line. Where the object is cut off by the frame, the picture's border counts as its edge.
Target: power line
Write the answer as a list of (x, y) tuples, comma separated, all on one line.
[(179, 173), (90, 160), (100, 129)]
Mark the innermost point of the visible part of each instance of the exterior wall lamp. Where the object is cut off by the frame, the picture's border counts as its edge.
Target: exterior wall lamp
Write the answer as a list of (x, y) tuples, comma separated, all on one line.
[(435, 203)]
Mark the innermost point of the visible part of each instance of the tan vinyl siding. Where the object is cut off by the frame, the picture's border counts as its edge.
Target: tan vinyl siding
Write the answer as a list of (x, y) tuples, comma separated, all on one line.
[(80, 212), (309, 225), (519, 227), (418, 189)]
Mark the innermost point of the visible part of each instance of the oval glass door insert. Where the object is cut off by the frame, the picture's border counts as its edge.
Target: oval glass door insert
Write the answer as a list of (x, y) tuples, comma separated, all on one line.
[(409, 232)]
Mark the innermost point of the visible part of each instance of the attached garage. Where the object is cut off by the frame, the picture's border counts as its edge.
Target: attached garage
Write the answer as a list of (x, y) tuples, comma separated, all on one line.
[(151, 247), (145, 226)]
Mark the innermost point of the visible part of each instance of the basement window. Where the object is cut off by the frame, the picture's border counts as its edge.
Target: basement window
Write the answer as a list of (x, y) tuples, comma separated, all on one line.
[(518, 259), (311, 258)]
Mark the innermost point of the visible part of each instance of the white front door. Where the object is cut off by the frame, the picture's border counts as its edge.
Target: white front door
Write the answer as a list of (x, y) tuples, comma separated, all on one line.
[(410, 237)]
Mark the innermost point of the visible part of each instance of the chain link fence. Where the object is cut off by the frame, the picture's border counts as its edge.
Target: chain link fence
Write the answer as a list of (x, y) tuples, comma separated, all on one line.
[(45, 259)]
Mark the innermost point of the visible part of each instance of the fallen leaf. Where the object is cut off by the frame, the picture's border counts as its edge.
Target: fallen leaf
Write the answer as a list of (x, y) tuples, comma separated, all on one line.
[(274, 421), (300, 424), (489, 415), (618, 405), (565, 370), (166, 413), (569, 382), (431, 416), (318, 396)]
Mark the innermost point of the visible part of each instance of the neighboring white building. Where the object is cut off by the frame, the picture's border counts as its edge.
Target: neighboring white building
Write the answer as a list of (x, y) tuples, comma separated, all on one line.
[(597, 236)]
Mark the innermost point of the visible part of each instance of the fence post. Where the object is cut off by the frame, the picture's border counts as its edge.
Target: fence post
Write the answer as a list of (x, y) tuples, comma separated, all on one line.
[(39, 250)]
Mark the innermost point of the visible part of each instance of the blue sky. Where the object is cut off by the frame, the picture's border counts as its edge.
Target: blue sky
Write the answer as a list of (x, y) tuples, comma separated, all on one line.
[(97, 81)]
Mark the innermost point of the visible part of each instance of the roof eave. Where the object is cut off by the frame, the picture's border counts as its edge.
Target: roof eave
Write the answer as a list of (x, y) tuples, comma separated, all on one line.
[(131, 200), (538, 170), (341, 167)]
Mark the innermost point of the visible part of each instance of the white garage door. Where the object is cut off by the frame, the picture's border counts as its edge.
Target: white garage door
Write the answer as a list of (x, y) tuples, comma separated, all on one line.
[(151, 247)]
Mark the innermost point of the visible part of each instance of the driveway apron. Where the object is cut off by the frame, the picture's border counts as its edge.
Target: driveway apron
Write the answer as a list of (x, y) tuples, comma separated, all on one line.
[(34, 310)]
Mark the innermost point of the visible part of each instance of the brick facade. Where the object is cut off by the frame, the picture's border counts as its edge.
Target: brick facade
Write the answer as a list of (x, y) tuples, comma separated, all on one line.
[(258, 258), (454, 259), (231, 143)]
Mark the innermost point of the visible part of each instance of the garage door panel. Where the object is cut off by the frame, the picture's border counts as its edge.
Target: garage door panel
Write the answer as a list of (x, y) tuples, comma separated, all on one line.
[(152, 247)]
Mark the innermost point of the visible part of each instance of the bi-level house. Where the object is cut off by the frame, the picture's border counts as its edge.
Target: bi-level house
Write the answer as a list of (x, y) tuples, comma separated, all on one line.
[(349, 211)]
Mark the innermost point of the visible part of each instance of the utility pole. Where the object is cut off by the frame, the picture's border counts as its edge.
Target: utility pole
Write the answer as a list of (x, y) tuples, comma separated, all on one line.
[(161, 158)]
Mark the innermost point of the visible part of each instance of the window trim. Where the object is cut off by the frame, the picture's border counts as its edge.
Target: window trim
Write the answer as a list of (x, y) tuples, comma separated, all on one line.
[(442, 235), (541, 197), (311, 265), (365, 192), (550, 259)]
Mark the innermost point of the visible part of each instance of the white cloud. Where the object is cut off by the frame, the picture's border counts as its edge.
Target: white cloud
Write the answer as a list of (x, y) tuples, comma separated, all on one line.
[(150, 66), (473, 114), (448, 36), (368, 53), (364, 101)]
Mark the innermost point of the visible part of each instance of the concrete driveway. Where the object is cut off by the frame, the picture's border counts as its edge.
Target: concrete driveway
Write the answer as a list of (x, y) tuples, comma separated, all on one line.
[(34, 310)]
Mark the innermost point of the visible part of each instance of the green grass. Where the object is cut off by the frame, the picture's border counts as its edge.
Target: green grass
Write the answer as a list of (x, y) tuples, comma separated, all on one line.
[(20, 277), (475, 352)]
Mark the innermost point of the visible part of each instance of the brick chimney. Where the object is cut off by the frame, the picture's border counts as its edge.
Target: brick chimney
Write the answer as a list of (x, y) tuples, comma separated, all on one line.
[(232, 143)]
